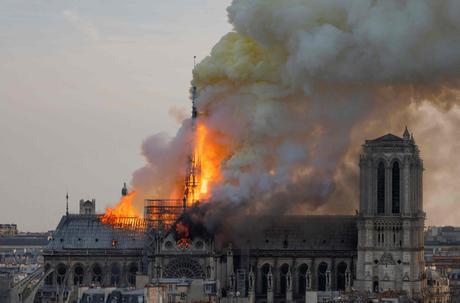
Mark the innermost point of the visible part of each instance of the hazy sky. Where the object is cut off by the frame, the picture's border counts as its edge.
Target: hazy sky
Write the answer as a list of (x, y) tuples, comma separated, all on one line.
[(82, 84)]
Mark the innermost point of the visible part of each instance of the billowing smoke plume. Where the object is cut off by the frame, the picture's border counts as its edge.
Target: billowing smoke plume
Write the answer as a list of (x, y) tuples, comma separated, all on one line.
[(293, 92)]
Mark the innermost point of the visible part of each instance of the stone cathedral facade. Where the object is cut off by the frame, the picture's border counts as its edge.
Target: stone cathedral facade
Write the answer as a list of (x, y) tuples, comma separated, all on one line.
[(379, 249), (391, 218)]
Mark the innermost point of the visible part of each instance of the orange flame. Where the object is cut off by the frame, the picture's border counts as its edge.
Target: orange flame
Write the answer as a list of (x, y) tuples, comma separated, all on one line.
[(124, 209), (209, 151), (183, 232), (212, 152)]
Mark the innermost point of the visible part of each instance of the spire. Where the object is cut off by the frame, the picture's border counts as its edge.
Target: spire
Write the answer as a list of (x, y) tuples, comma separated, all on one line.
[(124, 190), (406, 134), (193, 172), (194, 111), (67, 204)]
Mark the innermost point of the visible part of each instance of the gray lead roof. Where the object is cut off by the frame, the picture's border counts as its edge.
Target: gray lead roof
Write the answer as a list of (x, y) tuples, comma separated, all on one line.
[(88, 232)]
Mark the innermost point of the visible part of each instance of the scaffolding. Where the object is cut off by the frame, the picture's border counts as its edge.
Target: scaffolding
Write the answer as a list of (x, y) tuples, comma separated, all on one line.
[(162, 213)]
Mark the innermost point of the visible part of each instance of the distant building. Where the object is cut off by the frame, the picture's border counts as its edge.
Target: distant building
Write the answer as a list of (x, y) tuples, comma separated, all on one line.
[(438, 290), (454, 285), (21, 265), (442, 251), (8, 230), (87, 207), (26, 248), (6, 282)]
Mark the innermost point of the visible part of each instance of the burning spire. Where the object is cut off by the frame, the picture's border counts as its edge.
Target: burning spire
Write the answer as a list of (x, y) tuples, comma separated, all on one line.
[(193, 172)]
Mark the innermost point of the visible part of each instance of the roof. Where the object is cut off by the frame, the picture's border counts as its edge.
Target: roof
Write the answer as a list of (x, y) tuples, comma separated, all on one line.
[(387, 138), (24, 241), (88, 232), (313, 232)]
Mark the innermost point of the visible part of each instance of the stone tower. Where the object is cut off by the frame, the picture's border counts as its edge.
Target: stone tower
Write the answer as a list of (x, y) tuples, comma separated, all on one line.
[(391, 217), (87, 207)]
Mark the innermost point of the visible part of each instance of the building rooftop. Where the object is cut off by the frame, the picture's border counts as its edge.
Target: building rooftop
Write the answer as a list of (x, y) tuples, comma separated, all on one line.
[(387, 138), (24, 240), (313, 232), (76, 232)]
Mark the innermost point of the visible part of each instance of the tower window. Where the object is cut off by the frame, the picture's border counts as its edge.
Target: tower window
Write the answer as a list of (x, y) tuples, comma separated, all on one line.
[(395, 190), (381, 188)]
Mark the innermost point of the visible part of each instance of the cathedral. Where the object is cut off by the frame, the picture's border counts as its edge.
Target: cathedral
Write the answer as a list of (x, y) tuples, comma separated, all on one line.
[(302, 258)]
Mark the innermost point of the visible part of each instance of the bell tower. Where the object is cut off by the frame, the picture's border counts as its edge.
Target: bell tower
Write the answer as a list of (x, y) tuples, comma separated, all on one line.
[(391, 217)]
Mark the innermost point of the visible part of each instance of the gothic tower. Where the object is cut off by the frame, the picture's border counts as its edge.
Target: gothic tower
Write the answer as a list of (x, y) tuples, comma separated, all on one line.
[(391, 217)]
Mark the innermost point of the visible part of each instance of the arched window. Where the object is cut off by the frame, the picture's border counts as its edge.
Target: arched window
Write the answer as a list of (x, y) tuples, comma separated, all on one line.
[(265, 270), (322, 268), (97, 274), (395, 188), (182, 267), (302, 279), (284, 269), (341, 270), (61, 273), (132, 274), (381, 188), (115, 274), (375, 285), (78, 274)]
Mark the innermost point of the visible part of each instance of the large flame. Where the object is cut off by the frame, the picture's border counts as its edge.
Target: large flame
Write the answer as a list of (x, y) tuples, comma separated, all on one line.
[(124, 209), (208, 152), (211, 152)]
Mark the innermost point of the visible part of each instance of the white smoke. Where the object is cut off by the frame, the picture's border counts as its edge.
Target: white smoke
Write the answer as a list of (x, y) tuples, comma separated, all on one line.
[(298, 86)]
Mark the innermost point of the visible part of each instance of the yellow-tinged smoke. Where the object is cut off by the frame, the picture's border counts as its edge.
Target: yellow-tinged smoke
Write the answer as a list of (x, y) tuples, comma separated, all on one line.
[(236, 59)]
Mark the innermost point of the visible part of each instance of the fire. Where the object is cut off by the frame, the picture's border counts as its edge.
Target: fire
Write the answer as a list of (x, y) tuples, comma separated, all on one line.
[(209, 152), (124, 209), (212, 153), (182, 231)]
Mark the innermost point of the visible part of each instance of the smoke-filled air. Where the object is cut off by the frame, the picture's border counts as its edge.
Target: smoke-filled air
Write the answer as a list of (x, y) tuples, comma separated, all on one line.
[(287, 98)]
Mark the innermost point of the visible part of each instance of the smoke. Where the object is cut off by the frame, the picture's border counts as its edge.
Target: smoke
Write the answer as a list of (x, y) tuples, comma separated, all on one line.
[(295, 89)]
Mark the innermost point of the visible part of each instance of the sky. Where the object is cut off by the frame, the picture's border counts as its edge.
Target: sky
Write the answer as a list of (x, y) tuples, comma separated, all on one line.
[(82, 84)]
